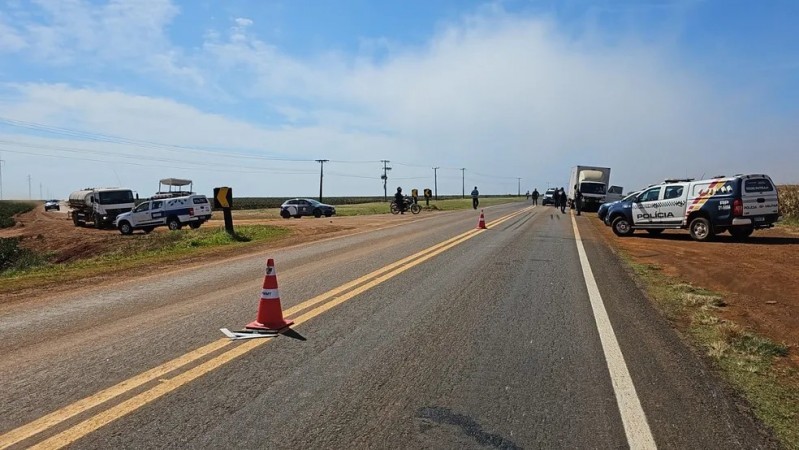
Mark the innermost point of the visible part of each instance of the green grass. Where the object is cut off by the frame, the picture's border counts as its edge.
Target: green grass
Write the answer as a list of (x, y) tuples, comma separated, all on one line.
[(363, 209), (9, 208), (751, 363), (141, 251)]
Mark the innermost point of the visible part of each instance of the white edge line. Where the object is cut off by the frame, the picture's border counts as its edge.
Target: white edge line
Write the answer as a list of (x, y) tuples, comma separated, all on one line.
[(636, 427)]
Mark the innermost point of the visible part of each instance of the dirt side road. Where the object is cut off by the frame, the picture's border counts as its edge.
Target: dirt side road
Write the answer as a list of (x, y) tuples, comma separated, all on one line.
[(758, 277)]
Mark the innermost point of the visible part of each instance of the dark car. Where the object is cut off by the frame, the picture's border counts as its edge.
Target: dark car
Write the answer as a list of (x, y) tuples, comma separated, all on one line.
[(603, 208), (299, 207), (52, 204), (549, 197)]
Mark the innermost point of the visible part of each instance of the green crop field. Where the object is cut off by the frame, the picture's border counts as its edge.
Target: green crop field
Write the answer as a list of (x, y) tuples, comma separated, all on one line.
[(9, 208)]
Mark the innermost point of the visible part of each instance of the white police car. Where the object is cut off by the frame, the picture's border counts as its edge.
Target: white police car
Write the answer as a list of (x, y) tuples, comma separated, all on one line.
[(175, 212), (739, 204)]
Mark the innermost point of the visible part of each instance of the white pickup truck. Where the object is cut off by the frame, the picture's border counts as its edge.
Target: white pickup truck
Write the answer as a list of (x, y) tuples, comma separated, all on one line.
[(191, 210)]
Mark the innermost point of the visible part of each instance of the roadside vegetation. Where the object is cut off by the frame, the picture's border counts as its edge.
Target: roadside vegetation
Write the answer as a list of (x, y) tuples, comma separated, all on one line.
[(246, 203), (21, 268), (789, 205), (10, 208), (381, 207), (755, 365)]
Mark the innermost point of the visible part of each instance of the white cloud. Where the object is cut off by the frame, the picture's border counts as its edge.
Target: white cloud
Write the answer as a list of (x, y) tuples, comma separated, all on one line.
[(10, 39), (495, 93)]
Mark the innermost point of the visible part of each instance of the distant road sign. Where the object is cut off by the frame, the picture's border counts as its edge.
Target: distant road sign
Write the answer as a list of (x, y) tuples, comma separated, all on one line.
[(223, 197)]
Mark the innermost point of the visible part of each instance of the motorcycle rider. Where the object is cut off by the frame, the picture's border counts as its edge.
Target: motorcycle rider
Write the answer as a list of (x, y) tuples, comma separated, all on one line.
[(399, 199)]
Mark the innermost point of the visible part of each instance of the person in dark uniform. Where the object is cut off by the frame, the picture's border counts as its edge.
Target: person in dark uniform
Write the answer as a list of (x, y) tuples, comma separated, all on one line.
[(562, 200), (535, 196), (399, 199), (475, 195), (578, 201), (556, 198)]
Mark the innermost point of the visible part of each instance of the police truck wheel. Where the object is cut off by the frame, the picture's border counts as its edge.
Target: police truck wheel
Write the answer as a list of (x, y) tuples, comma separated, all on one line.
[(701, 230), (125, 228), (621, 226), (328, 214), (173, 224), (655, 231), (741, 232), (148, 230), (285, 214), (195, 225), (317, 213)]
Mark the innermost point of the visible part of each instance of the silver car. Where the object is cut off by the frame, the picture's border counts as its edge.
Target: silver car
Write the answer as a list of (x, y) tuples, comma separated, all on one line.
[(299, 207)]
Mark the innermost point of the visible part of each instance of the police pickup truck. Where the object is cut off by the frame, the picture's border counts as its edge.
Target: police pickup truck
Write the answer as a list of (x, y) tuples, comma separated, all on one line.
[(191, 210), (738, 204)]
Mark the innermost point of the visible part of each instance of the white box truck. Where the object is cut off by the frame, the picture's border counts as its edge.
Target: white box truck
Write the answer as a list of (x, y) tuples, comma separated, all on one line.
[(592, 183)]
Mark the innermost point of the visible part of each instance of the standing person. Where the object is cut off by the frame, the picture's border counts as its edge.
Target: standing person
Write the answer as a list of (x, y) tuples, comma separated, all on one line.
[(399, 199), (562, 200), (535, 197), (528, 195), (556, 198), (578, 201), (475, 201)]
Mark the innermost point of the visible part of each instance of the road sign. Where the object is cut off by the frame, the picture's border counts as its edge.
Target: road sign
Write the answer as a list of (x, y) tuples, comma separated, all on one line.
[(223, 197)]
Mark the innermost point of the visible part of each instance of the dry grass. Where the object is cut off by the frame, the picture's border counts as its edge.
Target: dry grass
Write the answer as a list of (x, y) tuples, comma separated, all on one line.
[(789, 201)]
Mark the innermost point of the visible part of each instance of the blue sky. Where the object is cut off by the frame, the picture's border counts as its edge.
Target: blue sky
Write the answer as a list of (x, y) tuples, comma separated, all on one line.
[(249, 93)]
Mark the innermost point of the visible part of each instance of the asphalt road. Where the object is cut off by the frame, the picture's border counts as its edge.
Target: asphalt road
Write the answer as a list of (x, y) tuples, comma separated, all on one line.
[(487, 341)]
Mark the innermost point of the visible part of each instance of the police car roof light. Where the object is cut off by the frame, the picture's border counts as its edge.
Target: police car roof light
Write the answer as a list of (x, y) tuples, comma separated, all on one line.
[(678, 180)]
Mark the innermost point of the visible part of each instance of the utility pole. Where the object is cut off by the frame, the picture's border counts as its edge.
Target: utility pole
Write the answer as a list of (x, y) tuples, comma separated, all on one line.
[(385, 177), (520, 186), (40, 192), (463, 182), (435, 180), (321, 174), (30, 197)]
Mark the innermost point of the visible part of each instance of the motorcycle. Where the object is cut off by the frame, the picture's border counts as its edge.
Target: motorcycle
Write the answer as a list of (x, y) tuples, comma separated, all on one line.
[(409, 206)]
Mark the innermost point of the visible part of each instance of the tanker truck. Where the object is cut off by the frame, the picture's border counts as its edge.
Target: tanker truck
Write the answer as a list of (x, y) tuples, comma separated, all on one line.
[(592, 183), (100, 206)]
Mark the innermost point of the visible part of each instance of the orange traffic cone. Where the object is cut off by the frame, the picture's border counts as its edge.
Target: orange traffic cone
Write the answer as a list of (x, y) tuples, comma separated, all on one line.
[(270, 314), (481, 224)]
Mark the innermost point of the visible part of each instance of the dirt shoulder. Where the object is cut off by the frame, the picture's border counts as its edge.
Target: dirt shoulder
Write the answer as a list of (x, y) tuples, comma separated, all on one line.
[(757, 277)]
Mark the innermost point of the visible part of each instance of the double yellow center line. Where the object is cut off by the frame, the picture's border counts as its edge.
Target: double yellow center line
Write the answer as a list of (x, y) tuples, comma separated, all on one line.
[(300, 313)]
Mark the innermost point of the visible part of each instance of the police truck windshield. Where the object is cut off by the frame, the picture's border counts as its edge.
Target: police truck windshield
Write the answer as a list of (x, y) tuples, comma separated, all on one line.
[(115, 197)]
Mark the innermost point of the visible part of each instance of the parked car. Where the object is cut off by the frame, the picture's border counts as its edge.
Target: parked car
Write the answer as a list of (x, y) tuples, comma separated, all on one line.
[(549, 197), (52, 204), (299, 207), (602, 213)]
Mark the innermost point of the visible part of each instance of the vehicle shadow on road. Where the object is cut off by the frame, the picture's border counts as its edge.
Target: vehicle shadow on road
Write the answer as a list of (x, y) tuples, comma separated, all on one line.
[(752, 240)]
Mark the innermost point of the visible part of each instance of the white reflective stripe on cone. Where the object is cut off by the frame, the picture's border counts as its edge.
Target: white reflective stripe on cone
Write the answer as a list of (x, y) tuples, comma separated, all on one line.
[(270, 294)]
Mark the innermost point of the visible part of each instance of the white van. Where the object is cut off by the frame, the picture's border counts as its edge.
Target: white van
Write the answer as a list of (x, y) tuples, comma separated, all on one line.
[(191, 210)]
